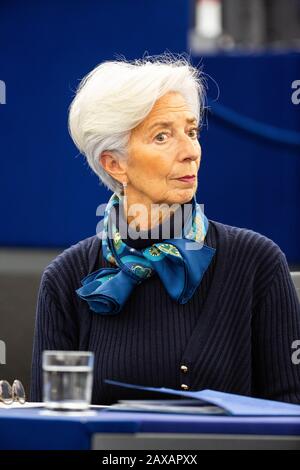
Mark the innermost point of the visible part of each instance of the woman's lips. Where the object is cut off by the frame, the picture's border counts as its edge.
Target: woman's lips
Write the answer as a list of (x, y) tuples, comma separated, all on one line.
[(187, 179)]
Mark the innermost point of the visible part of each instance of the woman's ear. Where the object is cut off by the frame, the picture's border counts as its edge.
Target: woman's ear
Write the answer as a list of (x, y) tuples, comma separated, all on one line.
[(112, 164)]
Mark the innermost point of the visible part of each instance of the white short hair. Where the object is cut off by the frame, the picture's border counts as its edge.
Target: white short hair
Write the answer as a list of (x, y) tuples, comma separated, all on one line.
[(116, 96)]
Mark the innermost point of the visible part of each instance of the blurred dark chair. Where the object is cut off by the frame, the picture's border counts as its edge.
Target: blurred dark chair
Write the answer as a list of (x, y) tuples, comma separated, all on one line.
[(262, 22)]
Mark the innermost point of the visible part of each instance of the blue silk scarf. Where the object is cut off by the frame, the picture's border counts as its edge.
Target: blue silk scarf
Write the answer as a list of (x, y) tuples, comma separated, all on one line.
[(180, 263)]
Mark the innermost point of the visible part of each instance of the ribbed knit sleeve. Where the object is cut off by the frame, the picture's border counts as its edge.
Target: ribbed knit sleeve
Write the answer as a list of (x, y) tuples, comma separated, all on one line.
[(55, 329), (276, 324)]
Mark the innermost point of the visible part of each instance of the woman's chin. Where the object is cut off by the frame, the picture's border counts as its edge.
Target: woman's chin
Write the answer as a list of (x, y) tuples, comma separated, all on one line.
[(181, 196)]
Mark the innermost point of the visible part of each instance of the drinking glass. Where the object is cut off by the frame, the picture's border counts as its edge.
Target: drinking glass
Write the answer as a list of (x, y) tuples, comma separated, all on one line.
[(68, 379)]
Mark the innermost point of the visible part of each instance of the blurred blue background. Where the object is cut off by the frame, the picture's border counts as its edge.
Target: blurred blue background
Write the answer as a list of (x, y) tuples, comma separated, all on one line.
[(250, 173)]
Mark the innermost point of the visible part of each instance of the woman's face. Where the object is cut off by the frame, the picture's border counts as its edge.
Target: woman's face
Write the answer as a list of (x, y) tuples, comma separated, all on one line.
[(163, 148)]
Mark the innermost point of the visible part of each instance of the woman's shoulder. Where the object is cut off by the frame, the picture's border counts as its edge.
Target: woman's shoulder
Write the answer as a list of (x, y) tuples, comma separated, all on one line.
[(74, 262), (245, 241), (249, 255)]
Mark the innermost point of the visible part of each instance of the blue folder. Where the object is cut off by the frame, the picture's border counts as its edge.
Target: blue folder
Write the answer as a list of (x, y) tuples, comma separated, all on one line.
[(231, 404)]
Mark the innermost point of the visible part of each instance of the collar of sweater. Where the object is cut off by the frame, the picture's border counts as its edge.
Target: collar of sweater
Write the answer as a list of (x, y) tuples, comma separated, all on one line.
[(155, 234)]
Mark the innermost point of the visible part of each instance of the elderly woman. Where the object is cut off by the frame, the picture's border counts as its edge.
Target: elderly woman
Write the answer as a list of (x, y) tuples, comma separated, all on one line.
[(164, 298)]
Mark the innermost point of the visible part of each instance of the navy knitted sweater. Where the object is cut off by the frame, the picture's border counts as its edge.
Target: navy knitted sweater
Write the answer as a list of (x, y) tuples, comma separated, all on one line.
[(234, 335)]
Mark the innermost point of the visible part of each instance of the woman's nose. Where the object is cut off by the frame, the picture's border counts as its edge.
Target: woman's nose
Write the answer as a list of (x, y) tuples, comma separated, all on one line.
[(188, 148)]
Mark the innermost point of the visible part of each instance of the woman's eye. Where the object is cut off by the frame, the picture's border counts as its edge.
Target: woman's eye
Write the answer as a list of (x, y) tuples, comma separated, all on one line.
[(195, 132), (159, 136)]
